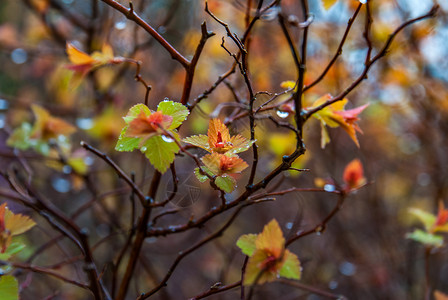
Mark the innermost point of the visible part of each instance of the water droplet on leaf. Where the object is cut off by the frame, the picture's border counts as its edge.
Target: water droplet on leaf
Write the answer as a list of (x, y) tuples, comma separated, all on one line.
[(282, 114), (329, 188), (143, 149), (61, 185), (167, 139)]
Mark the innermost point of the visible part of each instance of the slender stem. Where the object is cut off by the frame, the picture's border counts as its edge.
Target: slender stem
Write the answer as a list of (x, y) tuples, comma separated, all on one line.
[(132, 15), (139, 237)]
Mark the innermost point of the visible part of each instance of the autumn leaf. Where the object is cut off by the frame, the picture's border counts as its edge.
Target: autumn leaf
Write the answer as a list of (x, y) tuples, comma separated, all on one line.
[(82, 63), (154, 133), (334, 116), (354, 175), (37, 136), (10, 225), (221, 165), (47, 127), (328, 3), (105, 125), (268, 258), (218, 140)]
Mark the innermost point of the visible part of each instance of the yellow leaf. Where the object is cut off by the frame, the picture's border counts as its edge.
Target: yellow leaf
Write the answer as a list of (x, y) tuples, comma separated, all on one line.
[(15, 223), (47, 126), (78, 57), (271, 239), (328, 3)]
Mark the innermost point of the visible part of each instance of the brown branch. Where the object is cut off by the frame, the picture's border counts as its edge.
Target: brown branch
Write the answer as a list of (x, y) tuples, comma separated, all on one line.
[(139, 237), (46, 271), (338, 51), (307, 114), (117, 169), (132, 15)]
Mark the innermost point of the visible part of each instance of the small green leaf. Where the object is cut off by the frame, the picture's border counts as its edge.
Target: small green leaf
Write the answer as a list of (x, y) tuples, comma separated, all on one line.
[(225, 183), (243, 146), (20, 138), (426, 218), (247, 243), (426, 238), (9, 288), (202, 178), (174, 109), (291, 266), (126, 143), (160, 153)]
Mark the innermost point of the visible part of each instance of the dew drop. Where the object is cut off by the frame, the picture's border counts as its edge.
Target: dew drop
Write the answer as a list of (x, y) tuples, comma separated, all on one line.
[(4, 104), (120, 25), (66, 169), (89, 160), (289, 225), (329, 188), (19, 56), (333, 284), (2, 120), (61, 185), (167, 139), (348, 269), (282, 114), (142, 148), (84, 123)]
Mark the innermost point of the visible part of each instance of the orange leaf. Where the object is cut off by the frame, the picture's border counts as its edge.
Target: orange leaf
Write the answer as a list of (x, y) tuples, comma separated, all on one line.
[(218, 136), (147, 126), (47, 126), (222, 164), (354, 175)]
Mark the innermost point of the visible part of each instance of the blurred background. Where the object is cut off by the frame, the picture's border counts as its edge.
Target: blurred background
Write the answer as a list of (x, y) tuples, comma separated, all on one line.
[(363, 254)]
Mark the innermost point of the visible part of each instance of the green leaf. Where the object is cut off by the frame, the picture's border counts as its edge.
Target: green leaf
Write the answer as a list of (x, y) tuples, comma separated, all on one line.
[(134, 111), (247, 243), (126, 143), (9, 288), (242, 147), (200, 141), (426, 218), (291, 266), (202, 178), (160, 153), (20, 138), (225, 183), (426, 238), (174, 109)]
